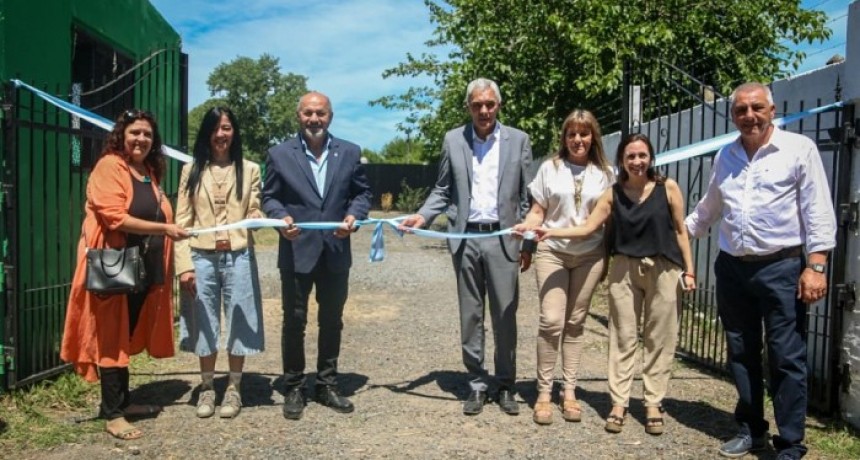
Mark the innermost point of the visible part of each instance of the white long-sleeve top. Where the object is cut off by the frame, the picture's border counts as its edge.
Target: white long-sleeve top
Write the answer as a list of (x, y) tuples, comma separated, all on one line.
[(778, 199)]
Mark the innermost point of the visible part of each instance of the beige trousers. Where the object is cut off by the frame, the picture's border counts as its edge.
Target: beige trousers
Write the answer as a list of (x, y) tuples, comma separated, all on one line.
[(565, 284), (643, 292)]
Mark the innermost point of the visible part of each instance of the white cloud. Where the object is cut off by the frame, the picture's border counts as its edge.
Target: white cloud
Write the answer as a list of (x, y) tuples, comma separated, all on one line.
[(341, 46)]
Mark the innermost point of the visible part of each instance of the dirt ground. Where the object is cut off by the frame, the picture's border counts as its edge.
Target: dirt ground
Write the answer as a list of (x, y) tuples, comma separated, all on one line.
[(400, 365)]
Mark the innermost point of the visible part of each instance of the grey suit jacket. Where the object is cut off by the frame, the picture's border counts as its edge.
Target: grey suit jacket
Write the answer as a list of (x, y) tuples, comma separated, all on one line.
[(452, 191)]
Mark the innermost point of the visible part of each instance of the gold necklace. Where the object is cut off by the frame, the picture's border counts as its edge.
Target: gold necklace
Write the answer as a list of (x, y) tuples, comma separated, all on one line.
[(578, 181)]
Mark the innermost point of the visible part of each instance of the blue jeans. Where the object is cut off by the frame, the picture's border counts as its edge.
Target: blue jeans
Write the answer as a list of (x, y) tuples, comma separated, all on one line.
[(230, 279), (749, 294)]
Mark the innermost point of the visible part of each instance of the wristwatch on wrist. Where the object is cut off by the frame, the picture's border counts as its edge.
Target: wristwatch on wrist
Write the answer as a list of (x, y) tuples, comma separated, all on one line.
[(819, 268)]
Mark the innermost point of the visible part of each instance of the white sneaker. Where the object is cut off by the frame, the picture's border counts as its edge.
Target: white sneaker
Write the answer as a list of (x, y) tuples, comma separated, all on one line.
[(232, 403), (206, 403)]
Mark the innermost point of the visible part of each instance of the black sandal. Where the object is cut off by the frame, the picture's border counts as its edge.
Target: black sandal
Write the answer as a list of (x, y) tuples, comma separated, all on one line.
[(654, 425), (614, 423)]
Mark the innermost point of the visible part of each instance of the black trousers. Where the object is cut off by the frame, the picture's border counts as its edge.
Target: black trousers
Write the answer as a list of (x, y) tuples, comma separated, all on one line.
[(331, 293), (752, 295), (114, 380)]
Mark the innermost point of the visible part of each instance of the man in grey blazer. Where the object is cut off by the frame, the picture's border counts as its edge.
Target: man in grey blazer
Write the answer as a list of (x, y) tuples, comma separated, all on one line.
[(314, 177), (482, 187)]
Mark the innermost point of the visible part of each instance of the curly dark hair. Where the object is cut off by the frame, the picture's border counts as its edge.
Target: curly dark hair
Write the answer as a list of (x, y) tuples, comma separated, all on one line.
[(115, 143)]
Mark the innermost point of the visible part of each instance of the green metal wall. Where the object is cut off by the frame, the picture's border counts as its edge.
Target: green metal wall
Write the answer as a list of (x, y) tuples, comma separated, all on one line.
[(41, 228)]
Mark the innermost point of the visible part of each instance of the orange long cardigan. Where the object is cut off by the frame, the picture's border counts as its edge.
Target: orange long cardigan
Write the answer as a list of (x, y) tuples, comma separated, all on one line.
[(96, 329)]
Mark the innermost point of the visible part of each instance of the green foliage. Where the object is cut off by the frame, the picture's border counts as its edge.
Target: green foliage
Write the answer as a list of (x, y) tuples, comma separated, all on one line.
[(410, 199), (263, 99), (403, 151), (371, 156), (552, 56), (398, 151)]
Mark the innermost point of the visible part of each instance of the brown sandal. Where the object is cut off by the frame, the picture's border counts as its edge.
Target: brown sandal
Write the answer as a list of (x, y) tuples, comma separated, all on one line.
[(615, 423), (543, 413), (571, 411), (654, 425)]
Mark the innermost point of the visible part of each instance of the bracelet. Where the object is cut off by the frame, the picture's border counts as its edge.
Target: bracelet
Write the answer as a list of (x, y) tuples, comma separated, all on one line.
[(689, 274)]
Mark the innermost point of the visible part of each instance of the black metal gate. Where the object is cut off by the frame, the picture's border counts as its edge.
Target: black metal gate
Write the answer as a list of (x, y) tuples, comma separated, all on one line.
[(47, 155), (681, 110)]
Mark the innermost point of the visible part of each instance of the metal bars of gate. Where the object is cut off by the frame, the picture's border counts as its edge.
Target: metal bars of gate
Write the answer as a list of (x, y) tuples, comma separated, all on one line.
[(824, 318), (44, 197)]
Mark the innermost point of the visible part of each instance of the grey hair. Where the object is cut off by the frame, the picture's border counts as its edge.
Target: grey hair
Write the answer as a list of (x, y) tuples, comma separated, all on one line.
[(752, 86), (481, 84)]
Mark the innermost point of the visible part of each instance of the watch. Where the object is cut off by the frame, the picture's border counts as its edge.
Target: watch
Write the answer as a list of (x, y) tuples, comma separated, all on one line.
[(818, 268)]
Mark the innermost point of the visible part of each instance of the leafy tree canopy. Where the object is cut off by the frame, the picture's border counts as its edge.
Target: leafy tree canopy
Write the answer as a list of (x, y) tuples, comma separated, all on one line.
[(552, 56), (263, 99), (402, 151)]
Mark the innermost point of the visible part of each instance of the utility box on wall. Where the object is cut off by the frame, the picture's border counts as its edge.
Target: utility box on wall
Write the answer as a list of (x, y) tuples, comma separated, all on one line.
[(106, 56)]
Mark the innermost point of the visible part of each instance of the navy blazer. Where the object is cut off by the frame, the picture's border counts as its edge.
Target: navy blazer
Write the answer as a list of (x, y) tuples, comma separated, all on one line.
[(289, 189)]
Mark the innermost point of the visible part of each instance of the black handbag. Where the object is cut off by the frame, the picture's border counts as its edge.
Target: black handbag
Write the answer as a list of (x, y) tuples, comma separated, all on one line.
[(115, 271), (118, 271)]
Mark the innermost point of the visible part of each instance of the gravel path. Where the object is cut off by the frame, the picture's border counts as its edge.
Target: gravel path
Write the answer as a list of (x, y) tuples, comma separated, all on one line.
[(400, 364)]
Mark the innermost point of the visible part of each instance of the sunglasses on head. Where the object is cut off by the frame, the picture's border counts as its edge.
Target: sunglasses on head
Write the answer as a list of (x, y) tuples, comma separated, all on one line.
[(131, 115)]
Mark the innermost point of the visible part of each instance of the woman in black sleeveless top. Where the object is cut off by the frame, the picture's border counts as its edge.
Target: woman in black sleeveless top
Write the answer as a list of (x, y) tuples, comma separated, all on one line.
[(651, 252)]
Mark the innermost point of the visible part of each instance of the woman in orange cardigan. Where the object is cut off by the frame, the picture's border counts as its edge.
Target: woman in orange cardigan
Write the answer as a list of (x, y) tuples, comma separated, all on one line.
[(125, 207)]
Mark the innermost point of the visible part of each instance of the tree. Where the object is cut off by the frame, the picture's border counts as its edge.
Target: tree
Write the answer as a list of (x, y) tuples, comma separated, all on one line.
[(263, 99), (402, 151), (552, 56), (371, 156)]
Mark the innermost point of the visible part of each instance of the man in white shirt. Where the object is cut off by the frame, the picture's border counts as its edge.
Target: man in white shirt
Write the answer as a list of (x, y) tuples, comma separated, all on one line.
[(770, 190), (482, 187)]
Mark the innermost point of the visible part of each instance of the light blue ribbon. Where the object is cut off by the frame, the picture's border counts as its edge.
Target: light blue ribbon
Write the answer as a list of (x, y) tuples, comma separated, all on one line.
[(377, 242)]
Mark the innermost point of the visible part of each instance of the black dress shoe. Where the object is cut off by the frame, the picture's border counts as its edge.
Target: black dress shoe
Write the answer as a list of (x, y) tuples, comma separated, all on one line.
[(475, 402), (294, 403), (508, 403), (328, 396)]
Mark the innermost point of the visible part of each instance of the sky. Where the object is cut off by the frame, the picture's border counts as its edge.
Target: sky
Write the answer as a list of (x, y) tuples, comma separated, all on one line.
[(343, 46)]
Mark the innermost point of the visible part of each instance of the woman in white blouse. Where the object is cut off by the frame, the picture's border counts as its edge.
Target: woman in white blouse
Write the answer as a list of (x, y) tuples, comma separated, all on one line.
[(564, 192)]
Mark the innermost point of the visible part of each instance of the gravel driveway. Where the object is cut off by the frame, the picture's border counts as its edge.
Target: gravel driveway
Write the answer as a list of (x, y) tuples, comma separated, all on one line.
[(400, 364)]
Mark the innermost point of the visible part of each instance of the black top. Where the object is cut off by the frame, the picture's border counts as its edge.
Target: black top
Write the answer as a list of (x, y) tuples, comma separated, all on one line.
[(644, 229), (145, 206)]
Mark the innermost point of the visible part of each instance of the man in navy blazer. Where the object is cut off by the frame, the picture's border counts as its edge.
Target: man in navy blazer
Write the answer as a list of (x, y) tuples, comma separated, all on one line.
[(314, 177)]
